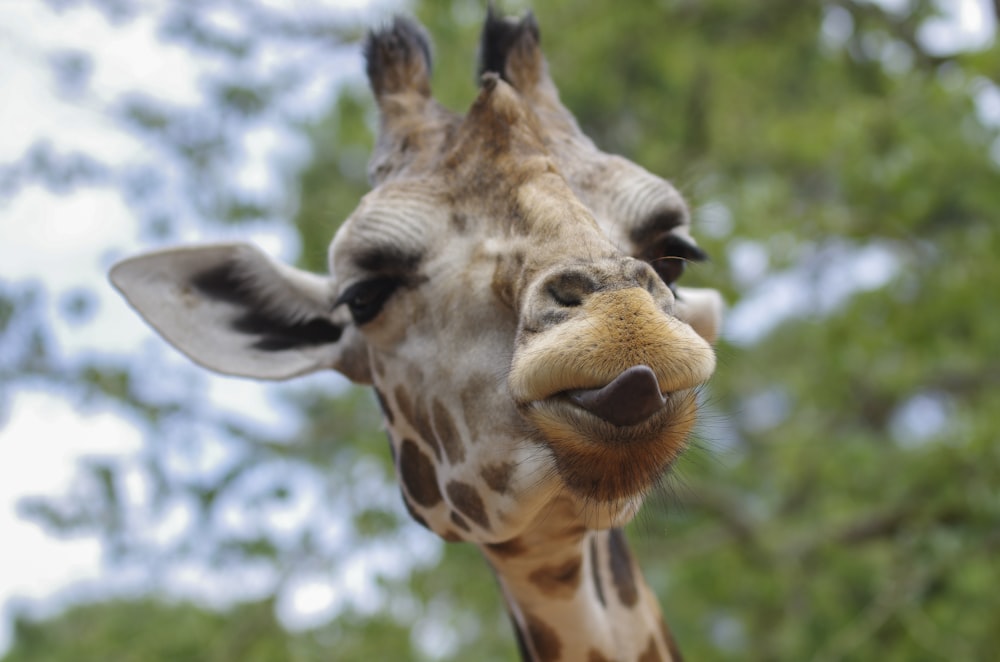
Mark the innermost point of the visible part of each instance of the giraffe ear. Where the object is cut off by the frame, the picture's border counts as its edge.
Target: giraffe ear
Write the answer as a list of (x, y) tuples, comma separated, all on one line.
[(234, 310), (702, 309)]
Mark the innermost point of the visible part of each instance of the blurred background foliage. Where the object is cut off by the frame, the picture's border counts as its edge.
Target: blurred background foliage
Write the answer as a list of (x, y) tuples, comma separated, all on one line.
[(842, 500)]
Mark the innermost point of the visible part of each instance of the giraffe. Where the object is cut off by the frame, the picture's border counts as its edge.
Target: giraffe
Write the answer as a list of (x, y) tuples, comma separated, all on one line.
[(510, 293)]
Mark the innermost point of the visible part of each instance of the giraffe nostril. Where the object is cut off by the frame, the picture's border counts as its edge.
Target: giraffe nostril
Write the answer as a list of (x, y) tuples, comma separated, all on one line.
[(631, 398), (570, 288), (564, 297)]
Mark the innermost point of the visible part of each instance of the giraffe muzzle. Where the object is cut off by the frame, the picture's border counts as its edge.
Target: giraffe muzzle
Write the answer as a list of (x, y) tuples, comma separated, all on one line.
[(631, 398)]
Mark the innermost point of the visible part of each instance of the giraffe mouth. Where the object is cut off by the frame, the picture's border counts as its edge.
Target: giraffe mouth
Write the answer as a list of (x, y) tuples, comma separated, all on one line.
[(606, 463), (629, 399), (610, 457)]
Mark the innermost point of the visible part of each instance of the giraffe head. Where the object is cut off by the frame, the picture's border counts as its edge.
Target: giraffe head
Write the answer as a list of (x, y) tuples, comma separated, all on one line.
[(507, 288)]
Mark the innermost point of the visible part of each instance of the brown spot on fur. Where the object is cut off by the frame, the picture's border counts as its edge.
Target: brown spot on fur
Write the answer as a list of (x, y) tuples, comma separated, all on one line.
[(651, 654), (459, 521), (620, 561), (507, 549), (595, 570), (418, 475), (451, 536), (386, 410), (447, 434), (544, 640), (497, 476), (416, 420), (468, 502), (672, 647), (597, 656), (558, 581)]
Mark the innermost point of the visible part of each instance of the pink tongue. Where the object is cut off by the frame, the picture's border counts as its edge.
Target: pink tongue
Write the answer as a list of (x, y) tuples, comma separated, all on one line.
[(631, 398)]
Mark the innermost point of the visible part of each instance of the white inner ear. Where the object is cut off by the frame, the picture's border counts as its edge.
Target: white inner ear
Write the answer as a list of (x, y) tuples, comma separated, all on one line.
[(702, 309), (234, 310)]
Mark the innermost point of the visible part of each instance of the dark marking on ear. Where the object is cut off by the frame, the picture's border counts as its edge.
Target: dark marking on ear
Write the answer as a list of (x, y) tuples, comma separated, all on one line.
[(384, 405), (459, 522), (261, 317), (277, 335), (417, 420), (544, 640), (447, 434), (497, 476), (620, 560), (558, 581), (672, 647), (467, 501), (418, 475), (651, 654), (507, 549), (224, 283), (499, 36), (595, 568)]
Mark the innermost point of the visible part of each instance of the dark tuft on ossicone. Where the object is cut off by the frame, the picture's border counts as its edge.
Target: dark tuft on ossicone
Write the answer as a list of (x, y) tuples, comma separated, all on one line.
[(393, 46), (500, 34)]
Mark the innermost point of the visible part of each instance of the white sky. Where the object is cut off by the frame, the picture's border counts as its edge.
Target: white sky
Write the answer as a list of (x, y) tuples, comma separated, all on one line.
[(41, 444), (65, 243)]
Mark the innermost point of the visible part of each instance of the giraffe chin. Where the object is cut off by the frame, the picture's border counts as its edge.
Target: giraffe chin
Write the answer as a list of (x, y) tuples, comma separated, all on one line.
[(606, 463)]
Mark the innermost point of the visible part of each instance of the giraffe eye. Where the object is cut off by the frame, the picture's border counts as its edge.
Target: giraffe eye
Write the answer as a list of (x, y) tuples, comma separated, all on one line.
[(669, 254), (366, 299), (669, 268)]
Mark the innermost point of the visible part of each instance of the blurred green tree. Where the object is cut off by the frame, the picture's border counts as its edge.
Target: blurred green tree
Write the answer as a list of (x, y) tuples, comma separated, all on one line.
[(841, 501)]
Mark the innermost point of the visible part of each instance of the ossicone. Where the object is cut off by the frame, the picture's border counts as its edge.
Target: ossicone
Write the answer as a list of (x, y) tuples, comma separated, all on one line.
[(398, 58)]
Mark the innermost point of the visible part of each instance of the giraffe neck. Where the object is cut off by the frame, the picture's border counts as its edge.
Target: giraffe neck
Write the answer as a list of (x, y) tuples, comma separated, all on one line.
[(577, 594)]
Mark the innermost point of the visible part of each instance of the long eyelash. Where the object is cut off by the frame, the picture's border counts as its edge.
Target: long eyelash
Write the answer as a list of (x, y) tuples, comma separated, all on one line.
[(673, 257)]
